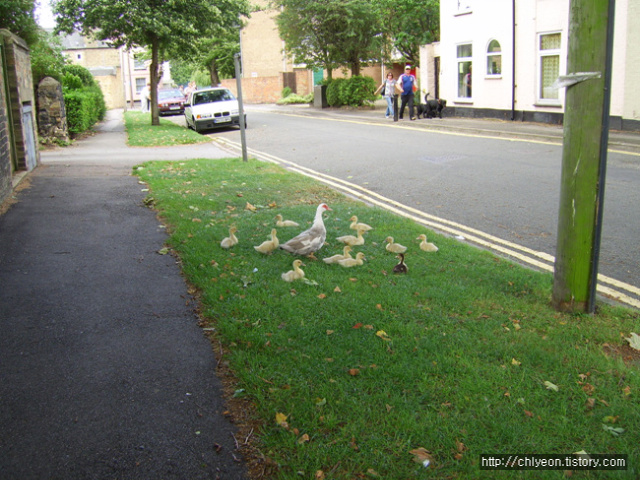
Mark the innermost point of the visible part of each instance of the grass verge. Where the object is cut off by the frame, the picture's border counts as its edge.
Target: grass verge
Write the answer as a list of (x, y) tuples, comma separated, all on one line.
[(142, 134), (359, 372)]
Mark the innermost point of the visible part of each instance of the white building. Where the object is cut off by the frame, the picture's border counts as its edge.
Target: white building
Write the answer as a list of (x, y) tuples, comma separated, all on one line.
[(516, 50)]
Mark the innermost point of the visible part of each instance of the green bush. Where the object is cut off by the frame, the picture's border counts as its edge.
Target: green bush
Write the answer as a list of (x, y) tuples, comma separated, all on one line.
[(286, 91), (81, 72), (354, 92), (83, 99), (295, 98)]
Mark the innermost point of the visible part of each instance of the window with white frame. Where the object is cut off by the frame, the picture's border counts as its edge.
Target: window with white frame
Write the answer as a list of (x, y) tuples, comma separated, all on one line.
[(494, 58), (139, 64), (549, 65), (464, 54), (140, 83)]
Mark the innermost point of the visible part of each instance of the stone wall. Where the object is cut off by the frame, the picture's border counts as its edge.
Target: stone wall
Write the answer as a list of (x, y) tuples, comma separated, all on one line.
[(5, 147), (52, 117)]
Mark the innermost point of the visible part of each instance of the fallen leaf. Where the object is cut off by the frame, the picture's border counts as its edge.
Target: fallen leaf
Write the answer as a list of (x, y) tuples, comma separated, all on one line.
[(634, 341), (610, 419), (372, 472), (422, 455), (551, 386), (590, 403), (319, 475), (329, 332), (163, 251), (354, 371), (378, 306), (389, 408), (321, 402), (612, 430), (627, 391), (281, 419), (322, 296), (528, 413), (303, 439), (515, 362), (250, 207), (588, 388), (460, 446), (383, 335), (337, 290), (357, 325)]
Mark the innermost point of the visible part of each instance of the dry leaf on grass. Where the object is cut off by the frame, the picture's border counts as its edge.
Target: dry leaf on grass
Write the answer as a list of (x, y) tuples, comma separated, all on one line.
[(422, 455), (634, 341)]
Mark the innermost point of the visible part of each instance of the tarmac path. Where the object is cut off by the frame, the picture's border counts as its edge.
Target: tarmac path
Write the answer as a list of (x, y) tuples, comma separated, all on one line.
[(104, 370)]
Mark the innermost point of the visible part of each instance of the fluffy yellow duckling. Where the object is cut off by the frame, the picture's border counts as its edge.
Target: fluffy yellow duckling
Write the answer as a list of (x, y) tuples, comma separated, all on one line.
[(296, 273), (352, 240), (426, 246), (334, 259), (352, 262), (394, 247), (269, 245), (231, 240), (358, 226), (285, 223)]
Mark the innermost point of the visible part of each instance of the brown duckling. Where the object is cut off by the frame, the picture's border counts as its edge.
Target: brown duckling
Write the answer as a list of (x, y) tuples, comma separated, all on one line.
[(401, 267)]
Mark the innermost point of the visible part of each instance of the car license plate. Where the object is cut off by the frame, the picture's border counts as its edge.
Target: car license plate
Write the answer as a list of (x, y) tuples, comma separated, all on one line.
[(222, 119), (174, 107)]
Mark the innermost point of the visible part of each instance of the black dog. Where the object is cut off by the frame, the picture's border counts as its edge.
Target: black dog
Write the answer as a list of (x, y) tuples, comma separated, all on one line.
[(433, 107)]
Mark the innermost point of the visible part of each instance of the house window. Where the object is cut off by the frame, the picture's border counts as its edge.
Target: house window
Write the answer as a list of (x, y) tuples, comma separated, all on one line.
[(494, 58), (138, 64), (140, 83), (79, 56), (464, 53), (549, 60)]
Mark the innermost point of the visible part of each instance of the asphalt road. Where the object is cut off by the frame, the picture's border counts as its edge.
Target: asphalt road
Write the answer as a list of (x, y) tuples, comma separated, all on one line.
[(506, 188)]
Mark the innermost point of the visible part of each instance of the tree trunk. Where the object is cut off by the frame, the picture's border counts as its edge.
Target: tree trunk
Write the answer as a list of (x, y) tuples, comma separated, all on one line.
[(213, 73), (582, 178), (155, 114)]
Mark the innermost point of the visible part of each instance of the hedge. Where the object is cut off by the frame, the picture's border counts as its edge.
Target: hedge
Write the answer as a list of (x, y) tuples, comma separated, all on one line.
[(85, 107), (354, 92)]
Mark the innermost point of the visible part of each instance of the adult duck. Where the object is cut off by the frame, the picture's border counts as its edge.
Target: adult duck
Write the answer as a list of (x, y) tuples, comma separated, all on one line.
[(401, 267), (312, 239), (394, 247), (426, 246)]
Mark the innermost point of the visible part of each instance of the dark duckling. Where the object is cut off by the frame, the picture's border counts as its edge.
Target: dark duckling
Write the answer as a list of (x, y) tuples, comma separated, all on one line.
[(401, 267)]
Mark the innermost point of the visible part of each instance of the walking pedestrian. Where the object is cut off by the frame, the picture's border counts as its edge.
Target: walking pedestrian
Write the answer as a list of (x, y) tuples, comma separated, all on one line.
[(388, 89), (409, 85)]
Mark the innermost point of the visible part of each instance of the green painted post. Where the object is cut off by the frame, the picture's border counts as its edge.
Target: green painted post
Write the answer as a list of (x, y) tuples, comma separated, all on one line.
[(584, 150)]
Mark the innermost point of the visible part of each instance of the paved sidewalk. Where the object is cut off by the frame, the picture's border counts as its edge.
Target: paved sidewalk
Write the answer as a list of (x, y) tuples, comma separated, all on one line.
[(104, 370)]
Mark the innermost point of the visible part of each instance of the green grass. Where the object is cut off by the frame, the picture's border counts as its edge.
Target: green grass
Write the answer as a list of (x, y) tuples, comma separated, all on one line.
[(142, 134), (469, 339)]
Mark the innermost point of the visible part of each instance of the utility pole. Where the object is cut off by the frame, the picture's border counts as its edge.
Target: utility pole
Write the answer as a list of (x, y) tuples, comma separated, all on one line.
[(586, 135)]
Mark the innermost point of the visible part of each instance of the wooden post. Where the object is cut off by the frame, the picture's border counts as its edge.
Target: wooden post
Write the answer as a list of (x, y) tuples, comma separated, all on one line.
[(584, 155)]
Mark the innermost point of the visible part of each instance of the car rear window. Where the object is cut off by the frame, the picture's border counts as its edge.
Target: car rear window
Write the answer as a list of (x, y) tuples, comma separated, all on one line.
[(212, 96), (162, 94)]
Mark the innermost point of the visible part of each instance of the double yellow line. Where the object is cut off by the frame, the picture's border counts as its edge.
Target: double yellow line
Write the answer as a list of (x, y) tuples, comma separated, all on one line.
[(540, 260)]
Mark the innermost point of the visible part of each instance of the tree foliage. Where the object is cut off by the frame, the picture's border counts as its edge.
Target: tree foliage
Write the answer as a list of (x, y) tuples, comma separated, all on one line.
[(156, 25), (329, 34), (17, 16), (407, 25)]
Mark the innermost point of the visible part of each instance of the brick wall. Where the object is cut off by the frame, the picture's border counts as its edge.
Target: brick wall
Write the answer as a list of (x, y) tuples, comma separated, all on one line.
[(269, 89), (5, 153)]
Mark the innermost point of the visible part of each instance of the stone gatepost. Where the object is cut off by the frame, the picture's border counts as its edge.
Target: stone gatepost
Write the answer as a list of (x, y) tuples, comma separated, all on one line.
[(52, 118)]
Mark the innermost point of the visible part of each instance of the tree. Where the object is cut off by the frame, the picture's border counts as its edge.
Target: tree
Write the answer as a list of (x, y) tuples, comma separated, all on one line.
[(408, 24), (17, 16), (153, 24), (330, 33)]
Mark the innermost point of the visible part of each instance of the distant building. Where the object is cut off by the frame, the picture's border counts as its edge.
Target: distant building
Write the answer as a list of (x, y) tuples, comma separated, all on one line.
[(120, 75), (513, 65)]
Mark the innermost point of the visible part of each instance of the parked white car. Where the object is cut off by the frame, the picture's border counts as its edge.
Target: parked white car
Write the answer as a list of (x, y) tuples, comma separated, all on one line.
[(211, 108)]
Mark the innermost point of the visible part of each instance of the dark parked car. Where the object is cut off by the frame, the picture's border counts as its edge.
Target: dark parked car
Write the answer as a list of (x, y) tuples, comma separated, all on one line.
[(171, 101)]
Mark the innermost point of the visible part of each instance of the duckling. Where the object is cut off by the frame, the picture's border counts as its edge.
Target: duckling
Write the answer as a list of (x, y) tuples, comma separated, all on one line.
[(334, 259), (231, 240), (269, 245), (358, 226), (352, 262), (426, 246), (285, 223), (401, 267), (296, 274), (351, 240), (394, 247)]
